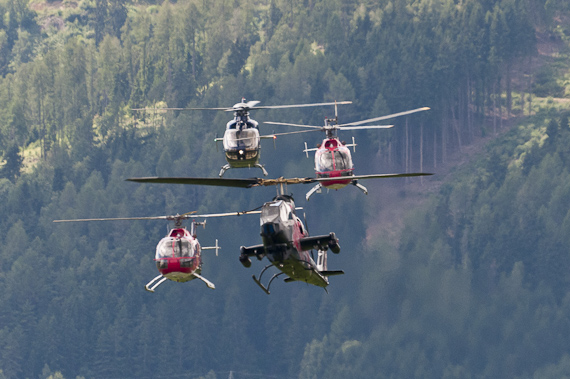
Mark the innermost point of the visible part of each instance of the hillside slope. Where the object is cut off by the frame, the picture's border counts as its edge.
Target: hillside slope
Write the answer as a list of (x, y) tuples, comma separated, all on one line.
[(428, 301)]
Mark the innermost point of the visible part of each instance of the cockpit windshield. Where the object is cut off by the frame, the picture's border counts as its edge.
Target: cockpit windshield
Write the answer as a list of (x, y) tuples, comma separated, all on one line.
[(333, 161), (245, 139), (342, 160), (324, 162), (275, 212), (172, 247)]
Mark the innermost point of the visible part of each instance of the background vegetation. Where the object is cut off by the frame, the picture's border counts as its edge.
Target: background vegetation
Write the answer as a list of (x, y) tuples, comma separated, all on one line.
[(474, 285)]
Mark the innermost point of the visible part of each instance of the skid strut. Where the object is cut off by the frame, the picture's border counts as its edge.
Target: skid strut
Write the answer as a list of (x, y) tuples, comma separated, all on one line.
[(150, 287), (208, 283), (225, 168), (258, 281), (360, 187), (317, 189), (260, 166)]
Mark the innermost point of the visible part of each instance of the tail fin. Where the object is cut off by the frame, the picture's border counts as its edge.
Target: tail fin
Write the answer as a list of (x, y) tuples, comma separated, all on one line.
[(322, 260)]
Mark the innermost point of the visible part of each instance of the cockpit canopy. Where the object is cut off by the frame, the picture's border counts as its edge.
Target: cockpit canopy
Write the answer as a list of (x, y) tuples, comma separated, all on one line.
[(242, 122), (336, 160), (276, 212), (241, 139), (176, 247)]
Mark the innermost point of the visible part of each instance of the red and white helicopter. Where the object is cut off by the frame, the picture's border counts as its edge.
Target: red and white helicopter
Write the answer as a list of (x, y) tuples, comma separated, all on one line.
[(178, 255), (333, 158)]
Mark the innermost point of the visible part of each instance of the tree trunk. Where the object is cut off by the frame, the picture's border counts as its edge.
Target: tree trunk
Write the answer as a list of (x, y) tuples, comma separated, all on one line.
[(508, 89), (443, 136), (529, 86), (421, 151), (495, 108), (407, 153), (434, 147), (500, 93), (455, 124), (390, 161)]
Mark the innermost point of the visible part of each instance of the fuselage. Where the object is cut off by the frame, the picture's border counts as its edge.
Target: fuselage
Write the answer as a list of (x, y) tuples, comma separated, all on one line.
[(281, 232), (241, 142), (178, 256), (333, 159)]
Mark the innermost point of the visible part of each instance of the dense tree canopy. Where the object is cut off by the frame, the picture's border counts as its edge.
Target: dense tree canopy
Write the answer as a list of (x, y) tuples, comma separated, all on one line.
[(474, 285)]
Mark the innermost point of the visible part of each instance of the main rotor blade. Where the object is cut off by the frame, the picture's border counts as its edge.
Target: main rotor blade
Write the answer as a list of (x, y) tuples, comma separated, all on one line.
[(116, 219), (224, 182), (288, 124), (182, 109), (184, 216), (249, 105), (284, 134), (365, 127), (243, 106), (267, 136), (387, 116), (227, 214), (256, 182), (374, 176), (300, 105)]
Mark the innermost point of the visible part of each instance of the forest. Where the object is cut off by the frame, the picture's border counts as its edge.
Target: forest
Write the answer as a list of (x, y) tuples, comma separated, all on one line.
[(464, 274)]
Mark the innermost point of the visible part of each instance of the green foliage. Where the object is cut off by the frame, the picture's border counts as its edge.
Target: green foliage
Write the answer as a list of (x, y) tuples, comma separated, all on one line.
[(463, 292), (545, 83), (13, 163), (478, 286)]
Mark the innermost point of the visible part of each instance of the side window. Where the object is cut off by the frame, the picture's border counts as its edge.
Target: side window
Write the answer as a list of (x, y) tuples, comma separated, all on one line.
[(283, 212)]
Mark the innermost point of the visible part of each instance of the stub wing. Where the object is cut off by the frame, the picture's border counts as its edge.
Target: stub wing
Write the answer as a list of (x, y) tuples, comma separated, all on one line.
[(257, 250), (331, 273), (320, 243)]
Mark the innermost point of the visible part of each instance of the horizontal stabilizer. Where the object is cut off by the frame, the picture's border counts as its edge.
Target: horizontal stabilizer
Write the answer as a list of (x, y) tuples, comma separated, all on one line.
[(331, 273)]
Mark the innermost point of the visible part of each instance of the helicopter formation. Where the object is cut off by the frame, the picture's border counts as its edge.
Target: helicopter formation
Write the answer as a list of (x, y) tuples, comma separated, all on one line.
[(285, 240), (241, 140)]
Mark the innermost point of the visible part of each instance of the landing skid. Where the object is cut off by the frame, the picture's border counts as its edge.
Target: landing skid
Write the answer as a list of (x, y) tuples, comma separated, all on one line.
[(260, 166), (150, 287), (208, 283), (258, 281), (360, 187), (317, 189), (226, 167)]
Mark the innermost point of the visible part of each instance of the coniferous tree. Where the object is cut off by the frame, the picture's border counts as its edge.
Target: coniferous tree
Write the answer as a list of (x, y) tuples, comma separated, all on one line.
[(13, 162)]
